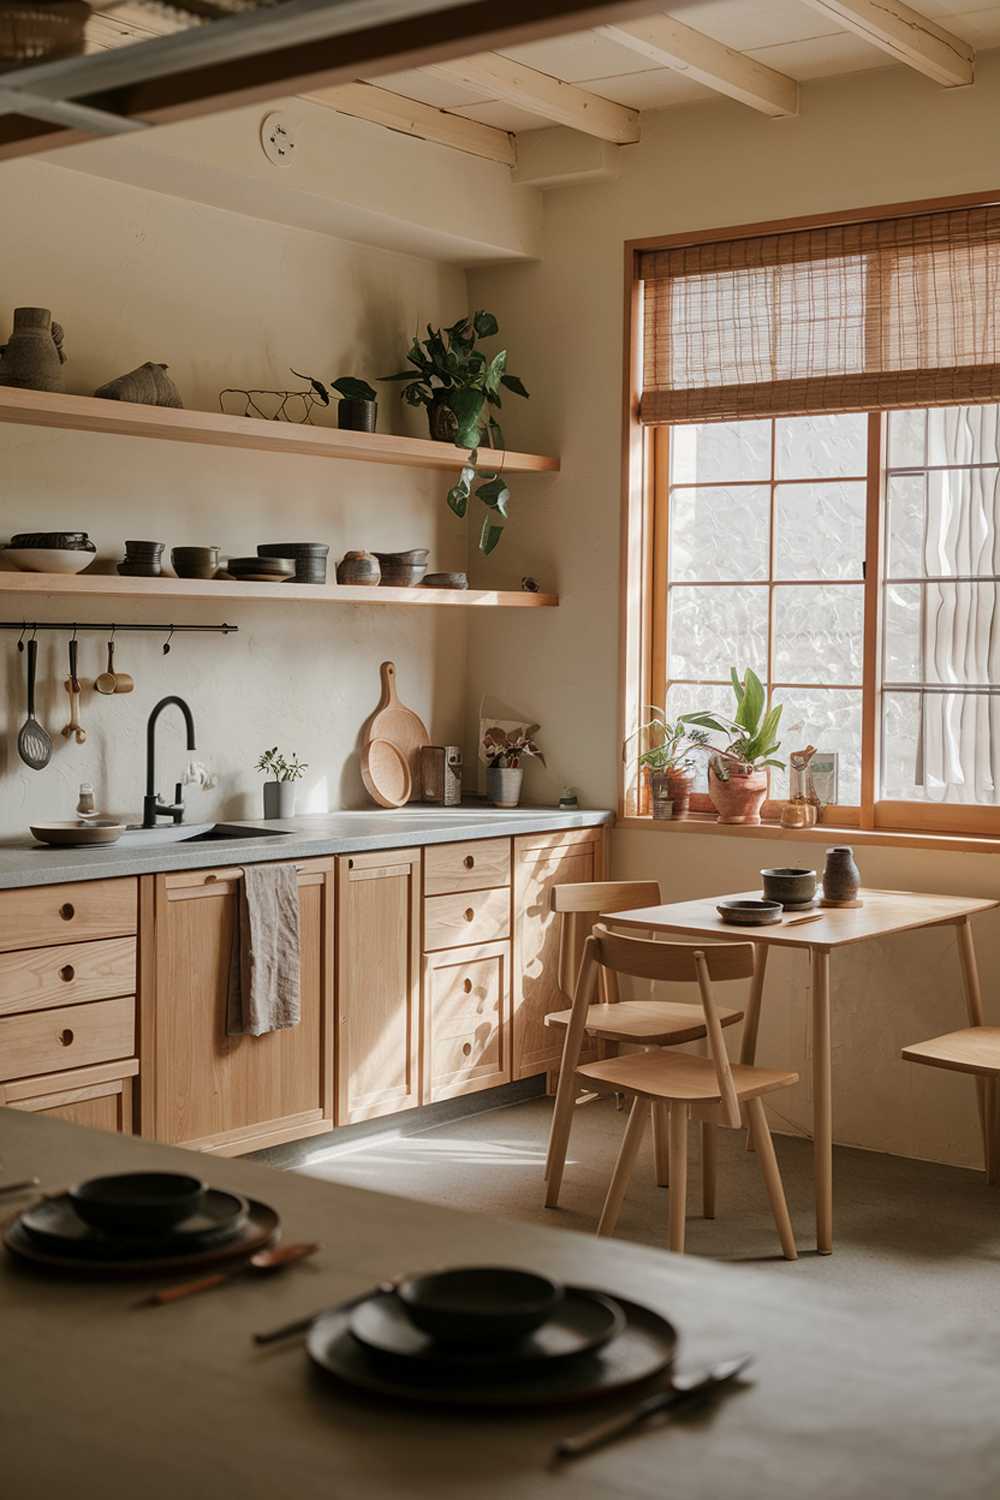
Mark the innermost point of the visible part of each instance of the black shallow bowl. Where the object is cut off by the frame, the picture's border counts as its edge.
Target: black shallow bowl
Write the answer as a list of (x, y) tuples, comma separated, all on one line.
[(137, 1202), (479, 1304)]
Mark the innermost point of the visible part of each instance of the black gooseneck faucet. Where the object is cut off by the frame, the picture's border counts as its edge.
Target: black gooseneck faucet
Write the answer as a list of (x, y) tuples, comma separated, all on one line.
[(152, 807)]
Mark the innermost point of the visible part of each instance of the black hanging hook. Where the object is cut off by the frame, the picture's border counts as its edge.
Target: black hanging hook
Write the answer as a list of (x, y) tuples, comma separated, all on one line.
[(166, 643)]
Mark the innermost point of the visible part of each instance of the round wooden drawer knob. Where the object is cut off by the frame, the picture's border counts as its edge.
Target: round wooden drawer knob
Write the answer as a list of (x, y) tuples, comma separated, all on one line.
[(67, 911), (467, 1050), (67, 972), (467, 986), (470, 915), (66, 1037), (469, 861)]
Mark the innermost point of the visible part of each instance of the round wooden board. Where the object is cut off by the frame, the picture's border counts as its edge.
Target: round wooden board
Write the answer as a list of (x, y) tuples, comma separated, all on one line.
[(385, 772), (395, 722)]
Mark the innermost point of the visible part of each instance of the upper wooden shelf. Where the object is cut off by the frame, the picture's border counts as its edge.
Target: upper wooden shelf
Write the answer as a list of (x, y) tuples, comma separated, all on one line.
[(126, 419), (113, 585)]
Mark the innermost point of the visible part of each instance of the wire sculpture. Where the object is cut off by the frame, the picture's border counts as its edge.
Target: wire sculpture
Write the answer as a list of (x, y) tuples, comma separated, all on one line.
[(273, 406)]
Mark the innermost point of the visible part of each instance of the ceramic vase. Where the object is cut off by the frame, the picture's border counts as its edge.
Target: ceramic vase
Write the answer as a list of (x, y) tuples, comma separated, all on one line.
[(503, 785), (679, 785), (841, 877), (279, 799), (740, 797), (33, 357)]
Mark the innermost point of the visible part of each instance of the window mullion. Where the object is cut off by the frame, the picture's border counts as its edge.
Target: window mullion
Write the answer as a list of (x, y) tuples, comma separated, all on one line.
[(871, 687)]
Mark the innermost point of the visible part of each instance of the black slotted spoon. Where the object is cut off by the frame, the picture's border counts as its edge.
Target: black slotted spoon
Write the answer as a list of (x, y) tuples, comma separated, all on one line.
[(33, 744)]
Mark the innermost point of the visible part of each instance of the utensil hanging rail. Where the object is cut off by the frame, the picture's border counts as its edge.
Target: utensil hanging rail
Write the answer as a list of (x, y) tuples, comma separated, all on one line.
[(32, 625)]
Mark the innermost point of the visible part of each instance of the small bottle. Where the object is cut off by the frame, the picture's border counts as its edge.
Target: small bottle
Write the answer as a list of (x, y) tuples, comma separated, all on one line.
[(87, 806)]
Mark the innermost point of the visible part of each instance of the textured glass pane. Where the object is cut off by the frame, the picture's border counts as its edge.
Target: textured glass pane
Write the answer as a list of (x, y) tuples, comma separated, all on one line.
[(822, 447), (907, 439), (719, 533), (940, 747), (714, 629), (714, 452), (818, 633), (820, 530), (963, 435), (830, 719), (685, 698), (907, 497), (942, 632)]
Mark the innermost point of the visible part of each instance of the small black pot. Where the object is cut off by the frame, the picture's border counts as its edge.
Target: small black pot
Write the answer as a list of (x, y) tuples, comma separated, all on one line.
[(357, 416)]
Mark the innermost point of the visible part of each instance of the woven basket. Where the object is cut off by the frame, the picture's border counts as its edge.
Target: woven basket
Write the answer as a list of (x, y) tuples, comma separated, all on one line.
[(36, 31)]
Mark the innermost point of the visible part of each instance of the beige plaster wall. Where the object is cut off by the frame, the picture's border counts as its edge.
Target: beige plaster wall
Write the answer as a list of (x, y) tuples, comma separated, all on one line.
[(224, 299), (874, 138)]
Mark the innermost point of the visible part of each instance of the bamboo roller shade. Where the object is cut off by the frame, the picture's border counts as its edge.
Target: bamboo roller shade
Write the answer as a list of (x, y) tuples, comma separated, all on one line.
[(848, 317)]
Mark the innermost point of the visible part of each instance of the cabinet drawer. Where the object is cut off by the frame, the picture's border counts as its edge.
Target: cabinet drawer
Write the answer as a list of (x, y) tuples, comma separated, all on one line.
[(43, 915), (66, 975), (470, 917), (71, 1036), (467, 1006), (100, 1097), (473, 866)]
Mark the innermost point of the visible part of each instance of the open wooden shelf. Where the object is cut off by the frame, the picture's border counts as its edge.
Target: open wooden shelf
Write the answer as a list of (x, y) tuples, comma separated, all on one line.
[(112, 585), (127, 419)]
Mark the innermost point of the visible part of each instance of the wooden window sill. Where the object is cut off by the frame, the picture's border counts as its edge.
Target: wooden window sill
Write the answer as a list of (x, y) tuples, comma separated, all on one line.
[(823, 833)]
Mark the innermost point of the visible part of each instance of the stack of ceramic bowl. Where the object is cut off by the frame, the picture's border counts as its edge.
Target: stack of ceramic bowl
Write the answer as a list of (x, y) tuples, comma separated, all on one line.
[(142, 560), (261, 569), (195, 562), (403, 570), (309, 558), (51, 551)]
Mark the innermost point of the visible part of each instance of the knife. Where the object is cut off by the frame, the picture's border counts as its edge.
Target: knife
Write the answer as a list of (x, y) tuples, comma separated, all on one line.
[(684, 1388)]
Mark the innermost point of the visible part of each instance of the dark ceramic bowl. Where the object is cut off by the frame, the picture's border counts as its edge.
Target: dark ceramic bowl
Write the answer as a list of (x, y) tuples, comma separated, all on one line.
[(403, 570), (750, 913), (480, 1304), (137, 1202), (195, 562), (790, 886), (446, 581)]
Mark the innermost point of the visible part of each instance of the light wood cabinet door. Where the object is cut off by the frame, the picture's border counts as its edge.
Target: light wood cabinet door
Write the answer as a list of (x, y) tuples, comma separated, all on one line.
[(200, 1086), (100, 1098), (466, 1020), (542, 861), (378, 984)]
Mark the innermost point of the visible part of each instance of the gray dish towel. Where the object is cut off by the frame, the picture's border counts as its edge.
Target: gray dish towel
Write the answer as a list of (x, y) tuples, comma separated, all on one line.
[(264, 966)]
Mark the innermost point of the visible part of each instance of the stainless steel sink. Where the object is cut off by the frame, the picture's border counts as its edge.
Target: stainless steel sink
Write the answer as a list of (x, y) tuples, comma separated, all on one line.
[(201, 833)]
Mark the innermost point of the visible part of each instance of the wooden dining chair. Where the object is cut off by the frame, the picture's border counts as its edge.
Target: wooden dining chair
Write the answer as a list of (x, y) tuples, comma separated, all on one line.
[(711, 1088), (974, 1050), (646, 1023)]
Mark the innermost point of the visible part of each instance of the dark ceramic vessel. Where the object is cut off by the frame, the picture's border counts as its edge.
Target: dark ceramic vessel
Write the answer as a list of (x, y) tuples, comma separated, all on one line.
[(357, 416), (841, 877), (137, 1202), (480, 1304), (790, 886)]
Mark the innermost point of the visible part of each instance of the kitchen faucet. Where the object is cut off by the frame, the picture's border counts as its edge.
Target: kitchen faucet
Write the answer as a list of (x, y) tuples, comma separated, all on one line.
[(152, 807)]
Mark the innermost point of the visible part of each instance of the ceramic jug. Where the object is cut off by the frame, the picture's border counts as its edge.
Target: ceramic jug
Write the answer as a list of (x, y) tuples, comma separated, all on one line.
[(841, 877), (33, 356)]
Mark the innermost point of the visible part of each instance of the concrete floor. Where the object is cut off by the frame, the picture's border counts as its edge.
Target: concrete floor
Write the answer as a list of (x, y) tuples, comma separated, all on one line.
[(897, 1223)]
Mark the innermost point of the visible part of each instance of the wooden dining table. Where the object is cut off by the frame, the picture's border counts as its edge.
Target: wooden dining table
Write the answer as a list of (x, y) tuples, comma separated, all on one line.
[(823, 933)]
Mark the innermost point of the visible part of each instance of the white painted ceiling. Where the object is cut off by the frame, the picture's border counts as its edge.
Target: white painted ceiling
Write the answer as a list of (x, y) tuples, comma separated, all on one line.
[(785, 34)]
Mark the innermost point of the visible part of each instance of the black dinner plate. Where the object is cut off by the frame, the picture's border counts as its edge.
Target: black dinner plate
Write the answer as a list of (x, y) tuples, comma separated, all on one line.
[(643, 1350), (54, 1224), (582, 1323)]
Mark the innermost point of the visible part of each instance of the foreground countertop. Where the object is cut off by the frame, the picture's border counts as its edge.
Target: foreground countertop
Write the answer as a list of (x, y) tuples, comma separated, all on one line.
[(847, 1397), (25, 863)]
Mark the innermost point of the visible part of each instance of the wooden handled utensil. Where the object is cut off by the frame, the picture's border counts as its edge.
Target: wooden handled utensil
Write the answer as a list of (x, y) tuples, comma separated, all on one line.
[(261, 1264), (74, 727), (112, 681), (33, 743)]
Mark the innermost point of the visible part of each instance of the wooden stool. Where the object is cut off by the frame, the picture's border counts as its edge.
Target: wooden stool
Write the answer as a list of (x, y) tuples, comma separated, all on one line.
[(711, 1088), (647, 1023), (974, 1050)]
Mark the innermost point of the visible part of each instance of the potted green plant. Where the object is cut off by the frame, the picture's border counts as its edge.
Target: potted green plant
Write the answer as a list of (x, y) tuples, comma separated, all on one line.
[(279, 792), (461, 387), (669, 759), (504, 750), (357, 409), (737, 772)]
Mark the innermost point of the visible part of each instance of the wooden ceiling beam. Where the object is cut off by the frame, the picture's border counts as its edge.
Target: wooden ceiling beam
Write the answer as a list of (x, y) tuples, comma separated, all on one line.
[(906, 35), (668, 43), (367, 102), (499, 77)]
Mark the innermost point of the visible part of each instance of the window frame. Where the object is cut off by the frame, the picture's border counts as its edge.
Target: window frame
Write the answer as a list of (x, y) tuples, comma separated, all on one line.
[(644, 563)]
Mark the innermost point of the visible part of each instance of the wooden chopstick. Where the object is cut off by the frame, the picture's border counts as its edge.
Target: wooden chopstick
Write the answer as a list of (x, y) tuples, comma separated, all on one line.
[(797, 921)]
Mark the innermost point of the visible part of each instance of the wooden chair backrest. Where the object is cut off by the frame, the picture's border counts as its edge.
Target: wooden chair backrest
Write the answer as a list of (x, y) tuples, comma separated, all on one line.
[(575, 903), (645, 959)]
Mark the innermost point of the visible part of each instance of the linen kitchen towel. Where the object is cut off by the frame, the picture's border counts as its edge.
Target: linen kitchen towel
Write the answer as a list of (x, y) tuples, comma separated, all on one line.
[(264, 967)]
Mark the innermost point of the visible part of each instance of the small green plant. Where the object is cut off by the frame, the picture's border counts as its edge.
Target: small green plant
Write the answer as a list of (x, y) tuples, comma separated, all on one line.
[(275, 765), (752, 734), (669, 747), (504, 749)]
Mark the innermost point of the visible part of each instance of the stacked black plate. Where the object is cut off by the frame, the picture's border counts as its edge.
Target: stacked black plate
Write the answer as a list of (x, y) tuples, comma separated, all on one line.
[(309, 558), (580, 1342), (142, 560)]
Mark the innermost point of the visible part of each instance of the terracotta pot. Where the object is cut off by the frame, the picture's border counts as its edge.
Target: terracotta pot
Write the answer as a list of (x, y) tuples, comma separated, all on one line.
[(679, 785), (740, 798)]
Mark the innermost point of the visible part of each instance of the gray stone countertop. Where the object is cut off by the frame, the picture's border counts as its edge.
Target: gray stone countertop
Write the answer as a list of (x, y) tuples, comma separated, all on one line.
[(25, 863)]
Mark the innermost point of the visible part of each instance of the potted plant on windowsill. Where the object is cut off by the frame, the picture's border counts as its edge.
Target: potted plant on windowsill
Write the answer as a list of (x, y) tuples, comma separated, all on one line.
[(737, 772), (669, 759), (504, 750), (279, 792)]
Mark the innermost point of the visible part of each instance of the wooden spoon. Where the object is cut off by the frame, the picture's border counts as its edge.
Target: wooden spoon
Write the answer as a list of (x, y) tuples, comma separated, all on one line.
[(261, 1264)]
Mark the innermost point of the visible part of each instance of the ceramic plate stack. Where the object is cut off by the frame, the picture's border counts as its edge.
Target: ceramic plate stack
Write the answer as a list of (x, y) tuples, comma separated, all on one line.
[(261, 569), (309, 558)]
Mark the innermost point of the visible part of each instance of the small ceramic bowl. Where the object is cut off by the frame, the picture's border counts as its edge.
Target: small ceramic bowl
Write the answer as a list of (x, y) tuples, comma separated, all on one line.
[(403, 569), (446, 581), (480, 1304), (137, 1202), (49, 559), (195, 562), (789, 885), (358, 568), (750, 913)]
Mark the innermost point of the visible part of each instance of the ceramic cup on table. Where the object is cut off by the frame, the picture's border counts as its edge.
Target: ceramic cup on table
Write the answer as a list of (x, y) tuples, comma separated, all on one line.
[(791, 886)]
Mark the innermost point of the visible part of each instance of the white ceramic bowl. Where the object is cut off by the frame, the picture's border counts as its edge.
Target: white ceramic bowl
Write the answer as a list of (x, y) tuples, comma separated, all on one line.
[(49, 559)]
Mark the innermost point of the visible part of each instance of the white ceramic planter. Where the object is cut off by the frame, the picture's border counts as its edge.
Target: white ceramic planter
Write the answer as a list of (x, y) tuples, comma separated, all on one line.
[(279, 799), (503, 785)]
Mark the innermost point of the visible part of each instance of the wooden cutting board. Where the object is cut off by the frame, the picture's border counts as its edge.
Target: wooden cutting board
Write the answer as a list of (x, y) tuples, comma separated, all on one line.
[(393, 721), (385, 772)]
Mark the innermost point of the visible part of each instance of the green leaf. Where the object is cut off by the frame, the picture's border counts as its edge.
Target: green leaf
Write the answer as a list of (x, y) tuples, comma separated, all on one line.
[(467, 405), (466, 477), (495, 494), (318, 387), (486, 326), (417, 395), (489, 536), (515, 384), (352, 389), (491, 379), (458, 499), (399, 375)]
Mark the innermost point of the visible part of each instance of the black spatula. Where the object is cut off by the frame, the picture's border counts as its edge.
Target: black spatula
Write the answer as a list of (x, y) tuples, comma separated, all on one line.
[(33, 744)]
